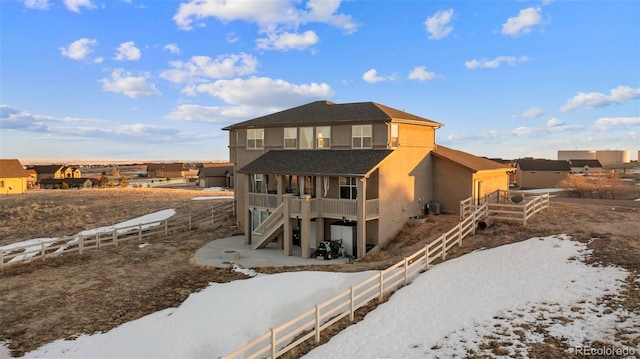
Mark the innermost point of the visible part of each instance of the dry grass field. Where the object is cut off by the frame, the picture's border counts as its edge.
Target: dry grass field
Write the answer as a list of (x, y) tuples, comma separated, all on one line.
[(63, 296)]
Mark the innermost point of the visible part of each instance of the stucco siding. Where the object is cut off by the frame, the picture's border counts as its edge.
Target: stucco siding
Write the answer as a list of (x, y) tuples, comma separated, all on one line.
[(452, 183), (540, 179), (13, 185)]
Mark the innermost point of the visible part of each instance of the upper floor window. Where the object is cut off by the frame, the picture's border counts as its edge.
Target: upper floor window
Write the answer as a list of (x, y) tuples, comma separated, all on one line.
[(348, 188), (306, 137), (361, 136), (255, 138), (394, 138), (290, 137), (323, 137)]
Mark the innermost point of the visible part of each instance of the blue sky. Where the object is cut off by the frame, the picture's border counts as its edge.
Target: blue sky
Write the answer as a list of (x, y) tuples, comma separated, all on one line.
[(157, 80)]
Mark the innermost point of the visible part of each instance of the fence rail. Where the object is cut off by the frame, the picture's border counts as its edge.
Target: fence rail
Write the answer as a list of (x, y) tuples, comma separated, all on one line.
[(80, 243), (310, 324)]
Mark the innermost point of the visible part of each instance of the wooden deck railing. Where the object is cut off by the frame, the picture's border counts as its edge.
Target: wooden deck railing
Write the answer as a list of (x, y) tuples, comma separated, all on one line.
[(80, 243)]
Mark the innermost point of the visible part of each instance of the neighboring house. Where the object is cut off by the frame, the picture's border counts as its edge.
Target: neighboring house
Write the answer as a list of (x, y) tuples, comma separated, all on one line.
[(57, 183), (216, 175), (540, 173), (164, 170), (460, 175), (71, 172), (585, 166), (339, 167), (32, 178), (13, 177), (48, 171)]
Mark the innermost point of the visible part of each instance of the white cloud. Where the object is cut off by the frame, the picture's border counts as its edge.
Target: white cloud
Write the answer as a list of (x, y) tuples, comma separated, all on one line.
[(127, 51), (495, 63), (522, 23), (619, 94), (37, 4), (200, 68), (75, 5), (286, 41), (215, 114), (172, 48), (126, 83), (533, 112), (372, 77), (555, 122), (607, 123), (420, 73), (438, 26), (79, 49), (267, 14), (266, 92), (232, 37)]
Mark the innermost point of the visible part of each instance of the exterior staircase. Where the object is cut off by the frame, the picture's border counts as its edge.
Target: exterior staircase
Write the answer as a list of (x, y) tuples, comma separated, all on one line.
[(269, 229)]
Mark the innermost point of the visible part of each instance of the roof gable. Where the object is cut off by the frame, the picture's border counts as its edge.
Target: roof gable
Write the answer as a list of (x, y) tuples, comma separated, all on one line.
[(11, 168), (326, 112), (529, 164), (584, 163), (468, 160), (46, 168)]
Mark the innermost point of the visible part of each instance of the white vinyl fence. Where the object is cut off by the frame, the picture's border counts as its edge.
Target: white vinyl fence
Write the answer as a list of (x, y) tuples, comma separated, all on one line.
[(310, 324), (80, 243)]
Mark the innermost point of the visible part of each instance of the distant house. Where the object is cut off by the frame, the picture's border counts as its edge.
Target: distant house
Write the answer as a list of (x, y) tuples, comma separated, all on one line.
[(58, 183), (71, 172), (32, 178), (216, 175), (13, 177), (585, 166), (164, 170), (48, 171), (462, 175), (541, 173)]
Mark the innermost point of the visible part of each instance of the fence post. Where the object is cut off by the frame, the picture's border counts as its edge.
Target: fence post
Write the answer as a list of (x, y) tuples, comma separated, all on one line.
[(213, 215), (139, 232), (166, 226), (352, 305), (406, 271), (381, 296), (189, 221), (273, 343), (43, 253), (524, 214), (98, 240), (115, 237), (426, 256), (81, 245), (317, 324), (474, 224), (2, 269), (460, 234), (444, 246)]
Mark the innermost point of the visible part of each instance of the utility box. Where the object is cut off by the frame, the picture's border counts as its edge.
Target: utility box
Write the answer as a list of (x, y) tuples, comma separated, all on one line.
[(345, 233), (434, 207)]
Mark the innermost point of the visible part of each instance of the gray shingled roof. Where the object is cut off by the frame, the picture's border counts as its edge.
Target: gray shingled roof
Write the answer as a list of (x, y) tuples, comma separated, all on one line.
[(217, 171), (582, 163), (326, 112), (543, 165), (317, 162), (468, 160)]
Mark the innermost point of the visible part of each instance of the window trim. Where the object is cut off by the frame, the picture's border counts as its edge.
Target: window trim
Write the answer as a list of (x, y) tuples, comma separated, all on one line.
[(257, 140), (361, 137), (295, 131), (394, 141)]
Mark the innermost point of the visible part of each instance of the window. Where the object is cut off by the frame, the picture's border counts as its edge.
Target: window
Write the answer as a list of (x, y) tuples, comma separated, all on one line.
[(255, 138), (532, 172), (394, 138), (292, 184), (348, 189), (258, 183), (257, 217), (306, 137), (309, 187), (1, 183), (290, 137), (323, 137), (361, 136), (556, 172)]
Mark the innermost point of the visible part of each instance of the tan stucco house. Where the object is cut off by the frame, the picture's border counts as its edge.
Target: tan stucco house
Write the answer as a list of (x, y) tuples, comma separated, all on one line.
[(354, 172), (541, 173), (13, 177)]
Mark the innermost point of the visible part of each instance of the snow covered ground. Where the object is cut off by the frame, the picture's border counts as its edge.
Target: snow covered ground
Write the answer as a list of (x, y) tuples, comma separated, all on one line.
[(514, 293)]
